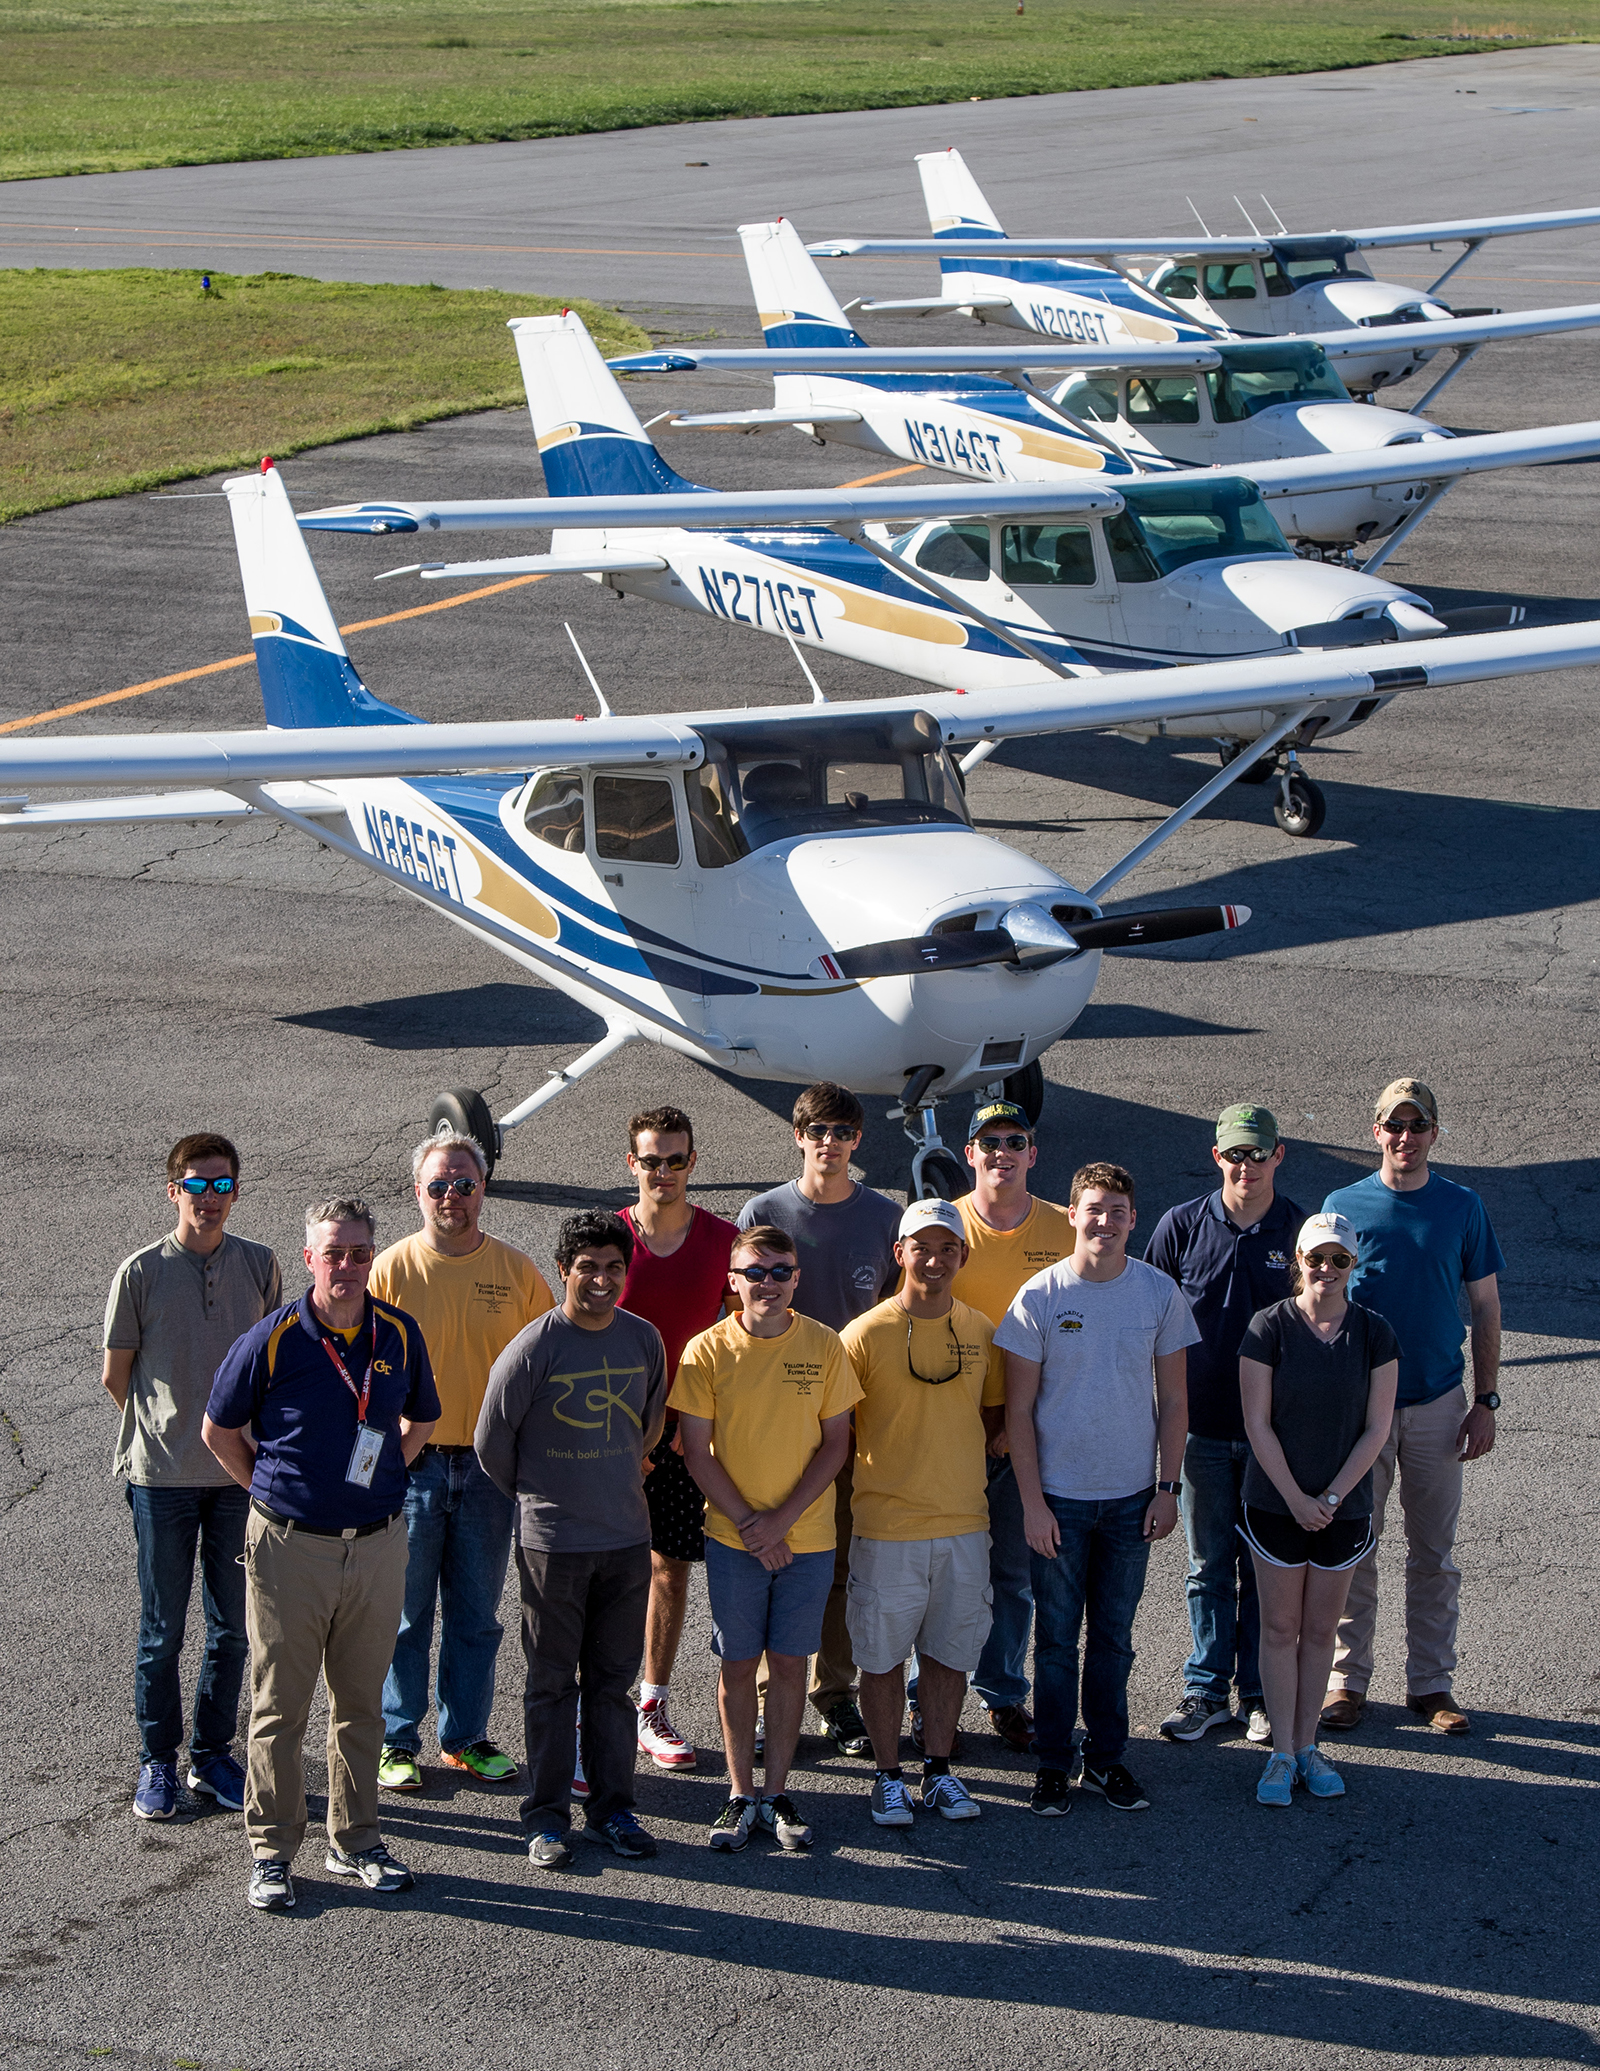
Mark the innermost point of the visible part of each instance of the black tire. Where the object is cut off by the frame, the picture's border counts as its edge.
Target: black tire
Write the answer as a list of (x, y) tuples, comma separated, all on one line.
[(944, 1177), (1306, 810), (467, 1111), (1025, 1089), (1261, 771)]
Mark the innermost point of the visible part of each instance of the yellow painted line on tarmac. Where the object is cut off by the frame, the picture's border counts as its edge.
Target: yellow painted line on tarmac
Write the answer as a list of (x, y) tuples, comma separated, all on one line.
[(117, 235)]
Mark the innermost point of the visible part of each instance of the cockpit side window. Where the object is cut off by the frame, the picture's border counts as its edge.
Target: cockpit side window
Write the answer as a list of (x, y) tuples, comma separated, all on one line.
[(553, 812), (718, 839), (1131, 559), (1054, 554), (1093, 396), (1182, 283), (961, 551), (1163, 399), (1233, 280), (635, 820), (1278, 282)]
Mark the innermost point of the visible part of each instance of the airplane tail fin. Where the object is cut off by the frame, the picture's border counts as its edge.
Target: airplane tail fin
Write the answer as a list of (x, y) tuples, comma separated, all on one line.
[(306, 676), (956, 207), (796, 304), (590, 442)]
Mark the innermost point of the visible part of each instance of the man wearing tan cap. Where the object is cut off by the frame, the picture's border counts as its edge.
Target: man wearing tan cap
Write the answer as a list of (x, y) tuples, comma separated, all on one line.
[(1423, 1238)]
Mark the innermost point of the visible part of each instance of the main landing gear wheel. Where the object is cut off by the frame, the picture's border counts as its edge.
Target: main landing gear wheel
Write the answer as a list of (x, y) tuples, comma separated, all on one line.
[(1301, 809), (1261, 771), (468, 1114), (943, 1176), (1025, 1089)]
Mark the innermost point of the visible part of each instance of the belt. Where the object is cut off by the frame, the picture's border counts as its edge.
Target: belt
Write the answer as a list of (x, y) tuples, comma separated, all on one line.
[(447, 1448), (322, 1531)]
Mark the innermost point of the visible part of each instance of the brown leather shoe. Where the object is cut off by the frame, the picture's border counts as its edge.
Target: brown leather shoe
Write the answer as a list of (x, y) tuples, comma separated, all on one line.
[(1014, 1726), (1439, 1709), (1345, 1711)]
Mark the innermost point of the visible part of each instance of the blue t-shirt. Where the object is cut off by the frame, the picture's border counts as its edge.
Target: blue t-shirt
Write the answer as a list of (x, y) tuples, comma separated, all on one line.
[(279, 1379), (1418, 1250)]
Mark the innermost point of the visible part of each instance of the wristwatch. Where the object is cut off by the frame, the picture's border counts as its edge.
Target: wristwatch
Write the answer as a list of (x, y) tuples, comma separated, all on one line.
[(1169, 1488), (1489, 1401), (1332, 1498)]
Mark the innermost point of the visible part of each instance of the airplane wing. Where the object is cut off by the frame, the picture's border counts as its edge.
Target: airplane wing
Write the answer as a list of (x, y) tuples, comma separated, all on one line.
[(1467, 229), (1036, 248), (922, 359), (1423, 460), (603, 561), (1430, 335)]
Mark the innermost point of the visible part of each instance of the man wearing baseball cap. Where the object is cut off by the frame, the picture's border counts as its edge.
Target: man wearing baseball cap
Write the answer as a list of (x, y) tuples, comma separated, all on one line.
[(932, 1389), (1230, 1251), (1423, 1239)]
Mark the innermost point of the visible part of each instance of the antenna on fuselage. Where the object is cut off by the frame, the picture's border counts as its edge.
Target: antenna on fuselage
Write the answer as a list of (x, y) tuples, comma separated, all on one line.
[(816, 688), (1197, 215), (1239, 205), (1283, 228), (605, 709)]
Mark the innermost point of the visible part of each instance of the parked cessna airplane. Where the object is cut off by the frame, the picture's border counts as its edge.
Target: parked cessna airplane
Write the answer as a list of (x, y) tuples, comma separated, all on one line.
[(1147, 409), (780, 892), (992, 586), (1257, 286)]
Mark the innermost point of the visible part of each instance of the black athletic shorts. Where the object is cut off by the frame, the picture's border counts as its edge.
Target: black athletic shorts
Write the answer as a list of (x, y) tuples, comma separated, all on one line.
[(677, 1508), (1284, 1544)]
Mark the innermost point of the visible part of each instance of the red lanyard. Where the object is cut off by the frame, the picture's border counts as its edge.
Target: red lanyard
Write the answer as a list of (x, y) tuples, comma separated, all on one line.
[(363, 1394)]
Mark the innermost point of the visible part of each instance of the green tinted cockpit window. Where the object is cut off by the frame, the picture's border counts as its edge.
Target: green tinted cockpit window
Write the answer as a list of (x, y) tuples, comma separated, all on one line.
[(958, 550), (1093, 396), (1167, 525), (1163, 399), (1060, 555), (1255, 377)]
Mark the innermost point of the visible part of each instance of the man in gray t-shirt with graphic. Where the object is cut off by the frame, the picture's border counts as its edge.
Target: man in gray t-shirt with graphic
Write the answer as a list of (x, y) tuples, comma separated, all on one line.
[(173, 1311), (574, 1404), (844, 1236), (1096, 1416)]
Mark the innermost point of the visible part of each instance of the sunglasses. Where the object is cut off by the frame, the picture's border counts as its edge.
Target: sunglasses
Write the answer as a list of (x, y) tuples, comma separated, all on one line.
[(647, 1161), (942, 1379), (466, 1188), (338, 1254), (1004, 1143), (194, 1188), (1253, 1156), (1397, 1128), (756, 1274), (1340, 1260), (831, 1132)]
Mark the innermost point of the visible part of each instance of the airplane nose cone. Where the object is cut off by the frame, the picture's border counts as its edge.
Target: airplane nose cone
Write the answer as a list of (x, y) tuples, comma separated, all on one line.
[(1039, 937)]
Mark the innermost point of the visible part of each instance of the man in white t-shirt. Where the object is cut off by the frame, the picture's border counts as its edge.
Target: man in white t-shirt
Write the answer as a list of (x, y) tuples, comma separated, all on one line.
[(1096, 1415)]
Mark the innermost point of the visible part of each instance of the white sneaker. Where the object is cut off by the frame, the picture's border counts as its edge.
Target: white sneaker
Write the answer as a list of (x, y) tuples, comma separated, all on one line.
[(661, 1740), (1257, 1726), (949, 1797), (778, 1817)]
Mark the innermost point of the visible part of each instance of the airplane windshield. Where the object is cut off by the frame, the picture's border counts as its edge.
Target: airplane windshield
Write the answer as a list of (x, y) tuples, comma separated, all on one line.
[(1169, 524), (765, 783), (1257, 377)]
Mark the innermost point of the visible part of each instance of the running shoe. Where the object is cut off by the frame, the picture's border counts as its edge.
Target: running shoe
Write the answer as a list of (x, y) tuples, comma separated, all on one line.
[(219, 1777), (375, 1867), (1277, 1780), (623, 1835), (399, 1769), (891, 1802), (847, 1729), (271, 1886), (1257, 1726), (1194, 1715), (778, 1817), (949, 1797), (1318, 1774), (482, 1759), (1113, 1783), (580, 1783), (661, 1740), (734, 1824), (549, 1850), (156, 1793), (1052, 1794)]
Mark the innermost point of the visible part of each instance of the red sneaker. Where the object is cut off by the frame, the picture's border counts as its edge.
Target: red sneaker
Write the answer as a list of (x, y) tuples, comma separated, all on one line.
[(661, 1740)]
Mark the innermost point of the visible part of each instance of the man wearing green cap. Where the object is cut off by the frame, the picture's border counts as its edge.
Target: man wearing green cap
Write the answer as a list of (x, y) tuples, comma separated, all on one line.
[(1230, 1252)]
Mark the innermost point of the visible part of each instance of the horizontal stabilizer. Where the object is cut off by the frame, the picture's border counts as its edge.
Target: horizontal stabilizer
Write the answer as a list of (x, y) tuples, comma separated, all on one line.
[(604, 561), (760, 420), (935, 305), (166, 808), (924, 359)]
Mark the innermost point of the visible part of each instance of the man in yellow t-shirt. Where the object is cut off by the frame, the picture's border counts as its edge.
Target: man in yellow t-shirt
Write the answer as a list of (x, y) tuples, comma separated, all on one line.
[(1010, 1237), (472, 1294), (933, 1389), (763, 1401)]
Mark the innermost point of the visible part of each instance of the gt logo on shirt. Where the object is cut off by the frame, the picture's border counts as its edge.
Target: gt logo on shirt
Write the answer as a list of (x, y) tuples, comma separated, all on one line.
[(1071, 1323), (382, 1366)]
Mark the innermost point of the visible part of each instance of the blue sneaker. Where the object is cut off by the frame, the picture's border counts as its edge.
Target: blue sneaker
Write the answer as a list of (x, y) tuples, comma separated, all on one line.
[(1318, 1775), (219, 1777), (1277, 1780), (156, 1794), (623, 1835)]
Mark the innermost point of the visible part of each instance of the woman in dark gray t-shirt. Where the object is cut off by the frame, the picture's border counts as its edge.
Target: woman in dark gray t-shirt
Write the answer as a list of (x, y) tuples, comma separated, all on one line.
[(1317, 1378)]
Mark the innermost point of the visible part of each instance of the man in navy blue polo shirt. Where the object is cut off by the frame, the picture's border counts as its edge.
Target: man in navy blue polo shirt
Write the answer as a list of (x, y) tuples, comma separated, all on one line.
[(318, 1411), (1230, 1252)]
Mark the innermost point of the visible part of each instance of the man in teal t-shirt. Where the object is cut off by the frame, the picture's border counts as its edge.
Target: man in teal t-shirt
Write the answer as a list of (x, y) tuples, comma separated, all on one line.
[(1423, 1239)]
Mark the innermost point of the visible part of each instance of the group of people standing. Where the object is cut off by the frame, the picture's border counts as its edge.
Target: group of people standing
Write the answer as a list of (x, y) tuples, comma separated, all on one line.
[(894, 1437)]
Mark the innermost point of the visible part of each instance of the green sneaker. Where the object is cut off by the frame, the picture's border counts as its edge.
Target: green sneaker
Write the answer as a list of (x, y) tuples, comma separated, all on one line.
[(399, 1770), (483, 1760)]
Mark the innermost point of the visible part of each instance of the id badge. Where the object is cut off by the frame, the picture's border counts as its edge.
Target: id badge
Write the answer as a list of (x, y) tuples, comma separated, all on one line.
[(364, 1460)]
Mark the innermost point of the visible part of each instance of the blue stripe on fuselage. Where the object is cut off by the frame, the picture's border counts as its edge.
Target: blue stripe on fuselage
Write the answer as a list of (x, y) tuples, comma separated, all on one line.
[(1095, 283)]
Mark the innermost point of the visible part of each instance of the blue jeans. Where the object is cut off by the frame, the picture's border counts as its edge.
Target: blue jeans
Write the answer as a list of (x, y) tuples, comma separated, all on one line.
[(458, 1530), (168, 1525), (1099, 1574), (1223, 1613), (1002, 1676)]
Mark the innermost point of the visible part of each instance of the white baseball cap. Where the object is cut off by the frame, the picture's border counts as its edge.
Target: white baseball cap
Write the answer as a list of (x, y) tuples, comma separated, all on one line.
[(1328, 1229), (922, 1215)]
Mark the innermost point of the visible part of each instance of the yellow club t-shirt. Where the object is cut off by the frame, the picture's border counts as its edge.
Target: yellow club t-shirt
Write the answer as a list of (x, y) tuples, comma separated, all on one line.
[(766, 1399), (1001, 1261), (920, 1468), (469, 1309)]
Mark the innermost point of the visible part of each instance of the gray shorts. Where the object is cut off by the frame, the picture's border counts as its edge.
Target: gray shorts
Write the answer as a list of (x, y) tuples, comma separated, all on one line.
[(931, 1594)]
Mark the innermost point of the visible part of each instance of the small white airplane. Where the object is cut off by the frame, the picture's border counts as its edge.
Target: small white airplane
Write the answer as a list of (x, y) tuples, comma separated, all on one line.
[(1275, 286), (994, 584), (1127, 411), (783, 893)]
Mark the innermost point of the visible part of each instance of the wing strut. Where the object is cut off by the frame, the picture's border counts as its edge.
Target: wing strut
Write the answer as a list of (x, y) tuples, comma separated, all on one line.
[(1463, 354), (1225, 776), (1407, 526), (934, 587), (1472, 245)]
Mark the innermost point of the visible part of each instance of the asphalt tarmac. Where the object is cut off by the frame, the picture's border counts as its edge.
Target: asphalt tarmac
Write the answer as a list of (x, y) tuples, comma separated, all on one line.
[(1446, 922)]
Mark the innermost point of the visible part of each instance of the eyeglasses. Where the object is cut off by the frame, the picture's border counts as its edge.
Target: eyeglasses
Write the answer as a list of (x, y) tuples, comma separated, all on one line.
[(195, 1187), (438, 1188), (1394, 1126), (1004, 1143), (339, 1254), (756, 1274), (647, 1161), (1254, 1155), (935, 1380), (831, 1132), (1339, 1259)]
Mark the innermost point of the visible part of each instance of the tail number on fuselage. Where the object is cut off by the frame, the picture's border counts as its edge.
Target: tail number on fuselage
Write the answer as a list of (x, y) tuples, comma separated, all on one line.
[(1084, 326), (419, 852), (935, 442), (726, 592)]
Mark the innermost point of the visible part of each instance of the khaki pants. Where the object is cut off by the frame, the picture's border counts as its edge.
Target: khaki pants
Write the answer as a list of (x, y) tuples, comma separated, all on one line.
[(318, 1606), (1422, 1448), (833, 1666)]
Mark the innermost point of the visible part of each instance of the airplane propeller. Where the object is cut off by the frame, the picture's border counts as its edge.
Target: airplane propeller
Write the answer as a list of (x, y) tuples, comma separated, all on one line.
[(1031, 939)]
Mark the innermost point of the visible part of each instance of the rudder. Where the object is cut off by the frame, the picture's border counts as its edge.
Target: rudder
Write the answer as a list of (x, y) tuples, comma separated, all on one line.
[(956, 207), (796, 305), (590, 441)]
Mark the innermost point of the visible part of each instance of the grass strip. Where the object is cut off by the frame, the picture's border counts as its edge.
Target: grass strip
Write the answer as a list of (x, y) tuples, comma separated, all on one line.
[(121, 380), (109, 85)]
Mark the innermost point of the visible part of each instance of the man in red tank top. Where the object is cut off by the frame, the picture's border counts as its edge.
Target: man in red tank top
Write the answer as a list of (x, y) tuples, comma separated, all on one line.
[(679, 1282)]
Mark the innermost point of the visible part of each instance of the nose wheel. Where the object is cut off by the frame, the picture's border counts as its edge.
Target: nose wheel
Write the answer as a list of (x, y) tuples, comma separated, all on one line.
[(1300, 808), (467, 1112), (937, 1174)]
